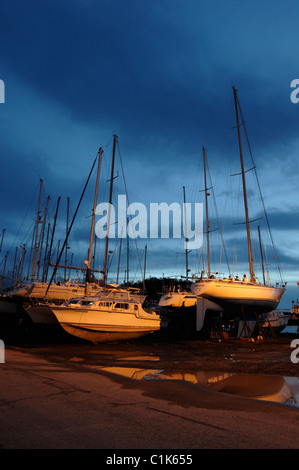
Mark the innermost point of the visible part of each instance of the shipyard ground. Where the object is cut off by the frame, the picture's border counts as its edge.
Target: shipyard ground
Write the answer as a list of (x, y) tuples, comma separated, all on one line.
[(75, 395)]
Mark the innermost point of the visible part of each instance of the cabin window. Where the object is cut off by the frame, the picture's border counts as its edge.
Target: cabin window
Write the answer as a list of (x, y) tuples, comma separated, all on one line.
[(121, 305), (135, 307), (104, 304), (86, 302)]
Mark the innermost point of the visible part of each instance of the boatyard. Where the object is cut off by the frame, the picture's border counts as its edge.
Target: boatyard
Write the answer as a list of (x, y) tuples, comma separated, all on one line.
[(98, 364), (149, 221), (149, 394)]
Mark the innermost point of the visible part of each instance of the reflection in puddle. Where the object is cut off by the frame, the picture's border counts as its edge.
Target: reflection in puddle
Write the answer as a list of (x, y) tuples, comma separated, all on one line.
[(272, 388), (140, 358)]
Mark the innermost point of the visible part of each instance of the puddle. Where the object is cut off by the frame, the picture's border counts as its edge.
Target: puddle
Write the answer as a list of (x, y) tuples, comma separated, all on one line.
[(273, 388), (140, 358)]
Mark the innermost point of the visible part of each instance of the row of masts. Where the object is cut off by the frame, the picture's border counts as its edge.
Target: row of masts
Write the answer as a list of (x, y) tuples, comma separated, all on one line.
[(35, 261), (247, 221), (38, 238)]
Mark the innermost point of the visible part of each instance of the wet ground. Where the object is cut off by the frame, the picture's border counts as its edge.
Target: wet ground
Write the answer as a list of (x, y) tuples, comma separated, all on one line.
[(152, 393), (156, 353)]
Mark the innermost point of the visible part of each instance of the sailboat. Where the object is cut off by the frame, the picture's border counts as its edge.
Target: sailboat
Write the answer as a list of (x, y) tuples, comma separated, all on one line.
[(22, 291), (108, 313), (179, 298), (246, 295), (103, 319), (34, 292)]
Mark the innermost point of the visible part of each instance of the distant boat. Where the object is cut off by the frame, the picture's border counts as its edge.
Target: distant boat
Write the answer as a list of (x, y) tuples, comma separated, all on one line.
[(233, 295), (103, 319), (52, 294), (34, 291), (276, 320), (35, 296), (178, 299)]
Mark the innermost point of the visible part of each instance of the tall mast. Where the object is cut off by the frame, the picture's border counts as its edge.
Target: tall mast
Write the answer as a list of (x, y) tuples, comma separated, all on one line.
[(261, 252), (128, 253), (100, 153), (52, 237), (186, 238), (66, 234), (46, 253), (145, 253), (110, 202), (119, 255), (252, 276), (3, 232), (38, 221), (207, 211), (41, 237), (69, 230)]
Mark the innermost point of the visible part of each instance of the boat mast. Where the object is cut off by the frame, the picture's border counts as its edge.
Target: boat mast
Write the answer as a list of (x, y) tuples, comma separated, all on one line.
[(186, 238), (41, 237), (252, 276), (100, 153), (145, 254), (51, 242), (110, 202), (207, 211), (66, 234), (128, 254), (261, 251), (69, 230), (38, 221), (3, 232), (119, 255)]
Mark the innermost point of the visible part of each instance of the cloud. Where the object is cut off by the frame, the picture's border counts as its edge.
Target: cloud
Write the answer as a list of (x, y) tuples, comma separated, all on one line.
[(159, 75)]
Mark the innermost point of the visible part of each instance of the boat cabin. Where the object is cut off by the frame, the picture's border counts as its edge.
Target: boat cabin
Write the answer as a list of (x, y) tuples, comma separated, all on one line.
[(105, 304)]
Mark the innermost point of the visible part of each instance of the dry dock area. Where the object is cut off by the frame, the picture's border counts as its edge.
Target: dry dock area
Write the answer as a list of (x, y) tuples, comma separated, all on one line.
[(147, 395)]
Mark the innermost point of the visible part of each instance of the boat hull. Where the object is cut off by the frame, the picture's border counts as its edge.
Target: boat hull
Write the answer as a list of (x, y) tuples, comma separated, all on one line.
[(38, 292), (177, 300), (100, 334), (98, 326), (238, 296), (276, 321), (33, 297), (42, 315)]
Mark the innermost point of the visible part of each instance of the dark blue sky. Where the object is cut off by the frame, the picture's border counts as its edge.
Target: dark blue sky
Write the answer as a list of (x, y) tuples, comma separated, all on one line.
[(159, 74)]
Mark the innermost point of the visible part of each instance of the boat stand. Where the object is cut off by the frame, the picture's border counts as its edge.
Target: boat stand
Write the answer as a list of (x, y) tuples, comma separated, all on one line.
[(251, 325)]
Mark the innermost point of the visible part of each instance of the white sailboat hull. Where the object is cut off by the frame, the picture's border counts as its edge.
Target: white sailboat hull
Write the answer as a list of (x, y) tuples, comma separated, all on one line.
[(33, 296), (276, 320), (36, 292), (234, 295), (101, 326), (177, 300)]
